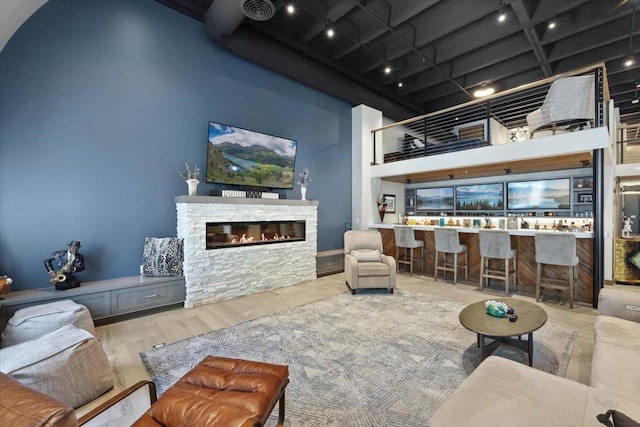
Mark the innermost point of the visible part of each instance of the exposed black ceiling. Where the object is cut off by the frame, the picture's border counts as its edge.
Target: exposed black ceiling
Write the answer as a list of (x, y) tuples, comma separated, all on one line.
[(441, 50)]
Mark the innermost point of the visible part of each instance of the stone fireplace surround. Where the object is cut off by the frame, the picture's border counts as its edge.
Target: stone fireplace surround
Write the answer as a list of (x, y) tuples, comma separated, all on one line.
[(215, 275)]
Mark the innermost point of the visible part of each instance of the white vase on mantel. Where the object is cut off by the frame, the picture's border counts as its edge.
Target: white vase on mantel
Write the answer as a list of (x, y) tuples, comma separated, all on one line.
[(193, 186), (303, 193)]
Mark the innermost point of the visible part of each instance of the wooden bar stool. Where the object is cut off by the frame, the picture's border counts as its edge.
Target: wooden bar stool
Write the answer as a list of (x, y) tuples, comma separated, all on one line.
[(496, 244), (448, 242), (406, 239), (556, 249)]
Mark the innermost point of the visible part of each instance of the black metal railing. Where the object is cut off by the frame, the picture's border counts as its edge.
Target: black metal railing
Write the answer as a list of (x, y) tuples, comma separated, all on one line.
[(628, 144), (501, 118)]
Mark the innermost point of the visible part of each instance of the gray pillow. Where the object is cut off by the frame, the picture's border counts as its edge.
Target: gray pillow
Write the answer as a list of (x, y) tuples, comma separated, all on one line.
[(366, 255), (162, 256)]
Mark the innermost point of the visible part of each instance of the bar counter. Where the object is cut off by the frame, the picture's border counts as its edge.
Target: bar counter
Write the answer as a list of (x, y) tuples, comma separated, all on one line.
[(522, 240)]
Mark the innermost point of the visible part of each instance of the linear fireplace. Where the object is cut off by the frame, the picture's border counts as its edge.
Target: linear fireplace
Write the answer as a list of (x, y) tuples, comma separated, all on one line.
[(247, 233)]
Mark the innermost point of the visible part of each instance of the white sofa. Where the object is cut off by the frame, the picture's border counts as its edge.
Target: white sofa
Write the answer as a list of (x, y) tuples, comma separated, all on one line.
[(501, 392)]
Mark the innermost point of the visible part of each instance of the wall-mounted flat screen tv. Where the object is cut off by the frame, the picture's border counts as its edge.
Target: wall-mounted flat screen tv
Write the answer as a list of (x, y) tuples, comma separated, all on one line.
[(440, 199), (237, 156), (480, 197), (541, 194)]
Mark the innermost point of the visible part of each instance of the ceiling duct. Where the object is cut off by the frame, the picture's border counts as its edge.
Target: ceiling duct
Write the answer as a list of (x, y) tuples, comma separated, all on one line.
[(223, 18), (258, 10)]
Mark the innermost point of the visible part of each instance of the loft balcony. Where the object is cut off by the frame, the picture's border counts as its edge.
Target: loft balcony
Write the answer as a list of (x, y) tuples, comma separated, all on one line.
[(562, 118)]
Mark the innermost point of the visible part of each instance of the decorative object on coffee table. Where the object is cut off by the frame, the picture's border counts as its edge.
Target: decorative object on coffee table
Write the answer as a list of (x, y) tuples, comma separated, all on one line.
[(496, 308), (191, 178)]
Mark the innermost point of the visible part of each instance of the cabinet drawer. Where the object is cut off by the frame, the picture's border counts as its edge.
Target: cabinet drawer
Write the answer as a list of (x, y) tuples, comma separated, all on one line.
[(143, 297), (99, 304)]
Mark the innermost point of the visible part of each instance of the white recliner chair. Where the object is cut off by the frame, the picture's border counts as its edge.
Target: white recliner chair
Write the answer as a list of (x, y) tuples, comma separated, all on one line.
[(365, 265), (570, 101)]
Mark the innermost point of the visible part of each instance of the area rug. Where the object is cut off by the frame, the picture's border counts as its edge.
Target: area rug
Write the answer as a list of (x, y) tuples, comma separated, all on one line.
[(359, 360)]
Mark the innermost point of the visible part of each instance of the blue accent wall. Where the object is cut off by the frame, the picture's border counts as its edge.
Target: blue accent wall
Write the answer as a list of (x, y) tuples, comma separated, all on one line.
[(102, 103)]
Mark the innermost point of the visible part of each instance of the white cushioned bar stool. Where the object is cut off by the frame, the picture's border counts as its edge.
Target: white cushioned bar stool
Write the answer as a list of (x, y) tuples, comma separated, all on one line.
[(406, 239), (448, 242), (556, 249), (496, 244)]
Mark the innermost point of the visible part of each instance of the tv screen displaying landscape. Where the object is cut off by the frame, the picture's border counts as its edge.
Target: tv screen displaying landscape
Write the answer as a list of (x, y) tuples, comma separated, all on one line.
[(434, 198), (480, 197), (243, 157), (541, 194)]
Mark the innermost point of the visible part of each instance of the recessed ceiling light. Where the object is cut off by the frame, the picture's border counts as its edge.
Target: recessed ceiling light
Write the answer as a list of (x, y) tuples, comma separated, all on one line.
[(628, 62), (552, 24), (291, 9), (399, 84), (330, 32), (387, 69), (484, 91)]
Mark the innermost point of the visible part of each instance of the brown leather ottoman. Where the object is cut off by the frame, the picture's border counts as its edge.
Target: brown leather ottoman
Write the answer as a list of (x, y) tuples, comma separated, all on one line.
[(221, 392)]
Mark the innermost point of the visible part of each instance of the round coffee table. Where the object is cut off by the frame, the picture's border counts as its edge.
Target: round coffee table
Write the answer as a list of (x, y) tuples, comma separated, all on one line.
[(530, 318)]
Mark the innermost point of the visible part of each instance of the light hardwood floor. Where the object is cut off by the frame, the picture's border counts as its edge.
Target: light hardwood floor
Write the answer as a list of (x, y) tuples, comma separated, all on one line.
[(124, 340)]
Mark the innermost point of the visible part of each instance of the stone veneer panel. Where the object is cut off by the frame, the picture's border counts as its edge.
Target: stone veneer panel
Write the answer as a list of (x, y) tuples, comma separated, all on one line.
[(220, 274)]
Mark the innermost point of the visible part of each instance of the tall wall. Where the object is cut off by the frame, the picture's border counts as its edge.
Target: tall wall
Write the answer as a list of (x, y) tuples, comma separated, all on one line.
[(102, 103)]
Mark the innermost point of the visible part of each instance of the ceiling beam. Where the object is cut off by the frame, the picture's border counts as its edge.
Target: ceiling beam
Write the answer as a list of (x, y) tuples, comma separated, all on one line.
[(412, 47), (333, 13), (534, 41)]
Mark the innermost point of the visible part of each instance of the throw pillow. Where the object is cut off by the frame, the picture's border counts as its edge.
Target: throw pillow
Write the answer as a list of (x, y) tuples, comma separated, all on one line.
[(635, 259), (366, 255), (162, 256), (613, 418)]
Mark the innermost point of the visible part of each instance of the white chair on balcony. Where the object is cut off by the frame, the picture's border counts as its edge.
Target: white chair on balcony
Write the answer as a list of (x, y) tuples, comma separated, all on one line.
[(570, 101)]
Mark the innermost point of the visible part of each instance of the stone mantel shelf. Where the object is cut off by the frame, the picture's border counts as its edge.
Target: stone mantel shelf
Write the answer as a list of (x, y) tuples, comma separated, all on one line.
[(244, 201)]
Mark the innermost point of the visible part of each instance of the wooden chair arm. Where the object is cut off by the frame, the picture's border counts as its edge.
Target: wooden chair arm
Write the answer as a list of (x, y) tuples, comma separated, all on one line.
[(89, 416)]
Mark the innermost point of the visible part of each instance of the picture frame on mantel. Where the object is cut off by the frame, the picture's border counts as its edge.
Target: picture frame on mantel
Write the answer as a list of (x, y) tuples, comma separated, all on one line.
[(390, 199)]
